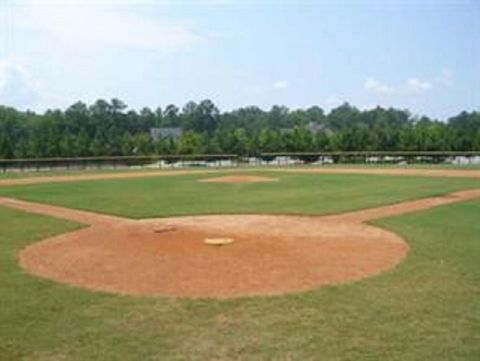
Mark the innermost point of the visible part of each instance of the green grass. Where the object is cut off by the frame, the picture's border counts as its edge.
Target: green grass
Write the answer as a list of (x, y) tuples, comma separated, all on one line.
[(428, 308), (183, 195)]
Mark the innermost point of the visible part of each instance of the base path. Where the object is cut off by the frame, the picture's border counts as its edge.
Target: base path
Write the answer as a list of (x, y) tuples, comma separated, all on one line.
[(269, 255)]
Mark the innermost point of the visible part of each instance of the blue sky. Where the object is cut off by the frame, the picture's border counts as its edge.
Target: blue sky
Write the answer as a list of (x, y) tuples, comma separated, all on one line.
[(420, 55)]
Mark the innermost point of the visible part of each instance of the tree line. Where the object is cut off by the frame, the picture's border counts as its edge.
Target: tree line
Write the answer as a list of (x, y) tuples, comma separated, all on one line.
[(109, 128)]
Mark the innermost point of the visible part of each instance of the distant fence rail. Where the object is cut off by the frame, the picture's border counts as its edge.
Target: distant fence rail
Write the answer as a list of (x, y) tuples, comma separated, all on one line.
[(112, 162), (374, 157), (232, 160)]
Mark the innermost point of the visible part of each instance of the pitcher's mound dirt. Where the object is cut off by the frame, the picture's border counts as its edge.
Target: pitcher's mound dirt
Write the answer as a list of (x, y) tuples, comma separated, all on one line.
[(271, 255), (239, 179)]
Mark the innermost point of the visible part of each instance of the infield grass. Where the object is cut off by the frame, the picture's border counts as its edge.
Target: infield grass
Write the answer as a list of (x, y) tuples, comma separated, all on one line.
[(428, 308), (183, 195)]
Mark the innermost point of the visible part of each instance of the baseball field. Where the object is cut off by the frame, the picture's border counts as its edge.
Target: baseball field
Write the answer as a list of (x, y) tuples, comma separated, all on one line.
[(275, 264)]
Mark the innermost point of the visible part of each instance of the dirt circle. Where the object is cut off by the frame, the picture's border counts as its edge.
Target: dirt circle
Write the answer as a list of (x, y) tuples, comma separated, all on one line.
[(271, 255), (239, 179)]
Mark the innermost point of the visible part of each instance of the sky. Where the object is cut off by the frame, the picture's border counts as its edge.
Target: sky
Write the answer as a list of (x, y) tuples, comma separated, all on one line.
[(418, 55)]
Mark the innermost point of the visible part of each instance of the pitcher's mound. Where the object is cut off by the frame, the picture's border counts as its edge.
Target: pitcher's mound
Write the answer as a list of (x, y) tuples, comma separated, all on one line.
[(270, 255), (239, 179)]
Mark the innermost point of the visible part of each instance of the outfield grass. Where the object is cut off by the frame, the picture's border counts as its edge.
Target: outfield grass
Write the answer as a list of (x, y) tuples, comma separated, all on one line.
[(183, 195), (428, 308)]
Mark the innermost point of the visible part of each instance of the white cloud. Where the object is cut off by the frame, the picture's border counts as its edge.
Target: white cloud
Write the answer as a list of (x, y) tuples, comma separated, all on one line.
[(415, 85), (91, 27), (410, 86), (445, 78), (280, 84), (84, 49), (16, 84), (11, 71), (378, 87)]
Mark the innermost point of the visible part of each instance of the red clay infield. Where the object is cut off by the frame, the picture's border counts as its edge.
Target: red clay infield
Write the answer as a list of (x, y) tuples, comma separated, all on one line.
[(270, 254)]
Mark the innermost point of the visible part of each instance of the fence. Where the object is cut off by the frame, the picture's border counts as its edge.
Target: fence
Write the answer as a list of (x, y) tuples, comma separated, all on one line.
[(372, 157), (81, 163)]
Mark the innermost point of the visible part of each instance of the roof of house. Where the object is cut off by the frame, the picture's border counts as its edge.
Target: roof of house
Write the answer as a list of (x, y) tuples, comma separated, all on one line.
[(319, 128), (165, 132)]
